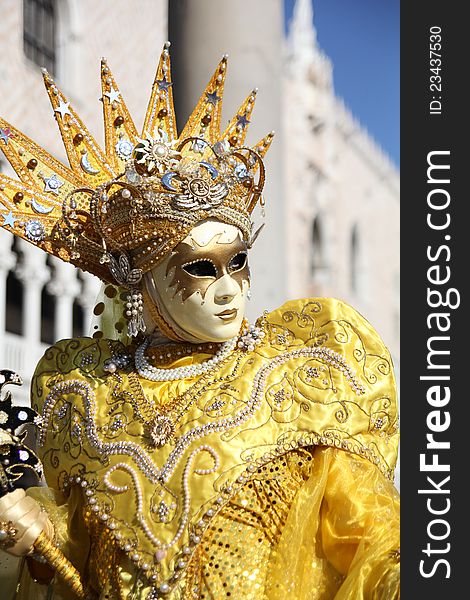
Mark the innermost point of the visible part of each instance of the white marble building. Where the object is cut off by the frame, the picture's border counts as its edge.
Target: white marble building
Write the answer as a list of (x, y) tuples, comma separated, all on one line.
[(341, 191), (332, 195)]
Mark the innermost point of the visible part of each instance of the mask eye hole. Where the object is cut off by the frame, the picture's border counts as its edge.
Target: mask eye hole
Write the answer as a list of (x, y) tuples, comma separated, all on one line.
[(238, 262), (201, 268)]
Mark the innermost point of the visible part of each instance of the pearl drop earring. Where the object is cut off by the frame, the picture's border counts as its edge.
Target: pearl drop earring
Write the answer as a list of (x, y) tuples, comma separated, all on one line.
[(134, 312)]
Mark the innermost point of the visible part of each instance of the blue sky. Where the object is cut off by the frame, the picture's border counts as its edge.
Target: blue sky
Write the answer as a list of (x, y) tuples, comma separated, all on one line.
[(362, 38)]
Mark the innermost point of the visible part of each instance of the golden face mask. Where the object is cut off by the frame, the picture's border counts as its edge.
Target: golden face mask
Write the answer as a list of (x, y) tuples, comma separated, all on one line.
[(196, 267), (199, 292)]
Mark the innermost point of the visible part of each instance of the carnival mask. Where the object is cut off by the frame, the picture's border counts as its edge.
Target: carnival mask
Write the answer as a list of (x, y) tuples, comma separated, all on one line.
[(200, 289)]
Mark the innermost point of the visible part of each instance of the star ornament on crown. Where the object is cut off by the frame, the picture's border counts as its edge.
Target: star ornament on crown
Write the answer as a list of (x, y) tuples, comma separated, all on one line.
[(117, 213)]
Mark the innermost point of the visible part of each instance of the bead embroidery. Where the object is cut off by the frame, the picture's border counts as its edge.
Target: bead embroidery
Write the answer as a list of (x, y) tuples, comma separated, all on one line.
[(141, 457), (215, 397), (132, 449)]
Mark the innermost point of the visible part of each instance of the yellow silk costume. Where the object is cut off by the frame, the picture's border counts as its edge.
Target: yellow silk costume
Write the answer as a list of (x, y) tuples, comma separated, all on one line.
[(267, 477), (274, 481)]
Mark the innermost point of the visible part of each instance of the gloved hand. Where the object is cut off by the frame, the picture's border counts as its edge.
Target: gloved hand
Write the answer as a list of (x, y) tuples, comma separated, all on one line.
[(22, 519)]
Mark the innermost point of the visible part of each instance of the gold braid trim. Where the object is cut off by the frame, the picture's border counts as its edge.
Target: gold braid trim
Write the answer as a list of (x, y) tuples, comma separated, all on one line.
[(61, 565)]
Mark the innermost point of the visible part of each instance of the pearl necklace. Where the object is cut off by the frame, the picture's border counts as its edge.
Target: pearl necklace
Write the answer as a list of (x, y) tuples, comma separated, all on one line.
[(148, 371)]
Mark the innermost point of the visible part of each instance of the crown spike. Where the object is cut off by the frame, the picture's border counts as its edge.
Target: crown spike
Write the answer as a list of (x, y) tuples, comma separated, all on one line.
[(119, 130), (237, 128), (32, 164), (204, 121), (90, 212), (263, 145), (160, 110), (28, 212), (86, 158)]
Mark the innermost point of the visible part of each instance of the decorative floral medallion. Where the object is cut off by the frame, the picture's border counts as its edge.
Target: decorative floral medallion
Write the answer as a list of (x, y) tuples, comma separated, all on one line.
[(124, 148), (200, 192), (155, 155), (35, 230), (162, 430)]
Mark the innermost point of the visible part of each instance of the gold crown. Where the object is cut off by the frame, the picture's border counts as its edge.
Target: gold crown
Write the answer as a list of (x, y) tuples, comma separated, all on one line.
[(119, 212)]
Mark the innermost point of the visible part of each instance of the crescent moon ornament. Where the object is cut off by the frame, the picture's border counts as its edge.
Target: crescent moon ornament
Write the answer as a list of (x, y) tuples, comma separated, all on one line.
[(40, 208), (212, 170), (167, 180), (86, 166)]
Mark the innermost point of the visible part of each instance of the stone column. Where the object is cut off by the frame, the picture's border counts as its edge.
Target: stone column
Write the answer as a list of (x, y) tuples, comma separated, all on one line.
[(201, 32), (33, 274), (91, 287), (65, 286), (7, 262)]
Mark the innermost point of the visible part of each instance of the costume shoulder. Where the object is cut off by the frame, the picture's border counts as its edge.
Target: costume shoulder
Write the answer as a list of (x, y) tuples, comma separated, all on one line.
[(319, 321), (66, 378), (342, 375), (77, 358)]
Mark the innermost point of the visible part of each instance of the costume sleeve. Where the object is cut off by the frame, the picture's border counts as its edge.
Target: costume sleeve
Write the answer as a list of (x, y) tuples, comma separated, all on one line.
[(360, 529), (341, 537), (60, 449), (64, 510)]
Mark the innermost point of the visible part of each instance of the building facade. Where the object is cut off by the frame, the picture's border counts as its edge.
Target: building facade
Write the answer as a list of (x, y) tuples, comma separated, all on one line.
[(341, 190), (332, 195), (43, 299)]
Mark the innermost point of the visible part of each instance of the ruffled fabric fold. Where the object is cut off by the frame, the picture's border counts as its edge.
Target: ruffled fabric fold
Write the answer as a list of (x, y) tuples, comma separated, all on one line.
[(341, 538)]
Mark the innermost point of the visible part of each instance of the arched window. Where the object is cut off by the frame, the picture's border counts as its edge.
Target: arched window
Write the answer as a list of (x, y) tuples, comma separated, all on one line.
[(358, 264), (48, 302), (40, 32), (318, 250), (354, 261), (14, 297)]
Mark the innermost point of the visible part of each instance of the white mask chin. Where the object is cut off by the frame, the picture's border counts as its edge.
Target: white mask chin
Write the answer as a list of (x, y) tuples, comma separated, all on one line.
[(208, 305)]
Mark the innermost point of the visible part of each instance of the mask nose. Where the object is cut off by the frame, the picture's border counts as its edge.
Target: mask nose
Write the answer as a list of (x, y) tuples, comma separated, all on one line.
[(226, 290)]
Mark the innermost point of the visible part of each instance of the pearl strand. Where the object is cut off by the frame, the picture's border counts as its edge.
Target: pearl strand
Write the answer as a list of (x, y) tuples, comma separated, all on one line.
[(119, 489), (187, 493), (151, 373)]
